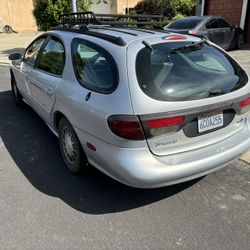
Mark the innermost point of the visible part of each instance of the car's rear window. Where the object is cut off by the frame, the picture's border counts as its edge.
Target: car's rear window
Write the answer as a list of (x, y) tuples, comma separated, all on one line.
[(176, 71), (183, 24)]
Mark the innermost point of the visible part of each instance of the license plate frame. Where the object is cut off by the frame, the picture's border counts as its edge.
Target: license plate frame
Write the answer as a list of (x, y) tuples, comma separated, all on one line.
[(210, 121)]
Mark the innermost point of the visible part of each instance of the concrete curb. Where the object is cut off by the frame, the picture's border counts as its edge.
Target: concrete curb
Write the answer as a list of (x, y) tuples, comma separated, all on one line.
[(4, 60), (4, 64), (246, 157)]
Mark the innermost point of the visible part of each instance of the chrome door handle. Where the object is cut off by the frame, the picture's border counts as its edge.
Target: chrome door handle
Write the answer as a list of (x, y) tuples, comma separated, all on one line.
[(49, 91)]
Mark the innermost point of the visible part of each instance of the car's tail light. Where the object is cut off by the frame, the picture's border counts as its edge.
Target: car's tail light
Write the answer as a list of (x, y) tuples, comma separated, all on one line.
[(160, 126), (192, 32), (127, 127), (245, 105), (165, 122), (175, 37), (130, 127)]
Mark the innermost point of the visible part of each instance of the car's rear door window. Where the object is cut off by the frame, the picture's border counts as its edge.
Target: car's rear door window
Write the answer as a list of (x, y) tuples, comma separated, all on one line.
[(94, 67), (182, 71), (183, 24), (223, 23)]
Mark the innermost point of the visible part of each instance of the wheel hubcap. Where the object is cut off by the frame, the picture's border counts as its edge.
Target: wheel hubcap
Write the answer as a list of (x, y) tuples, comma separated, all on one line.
[(68, 144)]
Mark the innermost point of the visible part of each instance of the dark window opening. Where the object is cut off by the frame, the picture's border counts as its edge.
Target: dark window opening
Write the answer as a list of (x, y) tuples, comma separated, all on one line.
[(172, 72), (94, 67), (33, 50), (182, 24), (52, 58)]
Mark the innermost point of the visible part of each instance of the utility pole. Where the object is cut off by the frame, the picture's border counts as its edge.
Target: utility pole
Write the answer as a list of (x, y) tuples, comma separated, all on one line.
[(74, 6)]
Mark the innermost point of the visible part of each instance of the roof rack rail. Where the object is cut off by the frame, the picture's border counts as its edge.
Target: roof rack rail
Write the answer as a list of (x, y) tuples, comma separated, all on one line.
[(88, 17), (80, 22), (83, 30), (126, 20), (80, 18)]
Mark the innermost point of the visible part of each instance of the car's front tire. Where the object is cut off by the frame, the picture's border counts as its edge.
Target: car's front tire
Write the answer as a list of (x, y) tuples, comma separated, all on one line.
[(70, 147), (18, 99)]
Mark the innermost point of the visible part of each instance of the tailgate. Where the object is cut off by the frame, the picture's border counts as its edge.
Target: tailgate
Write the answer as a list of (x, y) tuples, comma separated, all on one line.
[(191, 129), (186, 92)]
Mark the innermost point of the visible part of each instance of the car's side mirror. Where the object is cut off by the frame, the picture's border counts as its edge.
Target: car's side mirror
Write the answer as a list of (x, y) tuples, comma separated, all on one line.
[(15, 56)]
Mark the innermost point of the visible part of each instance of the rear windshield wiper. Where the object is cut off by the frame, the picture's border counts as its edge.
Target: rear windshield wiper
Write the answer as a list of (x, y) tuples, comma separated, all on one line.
[(147, 45), (189, 47)]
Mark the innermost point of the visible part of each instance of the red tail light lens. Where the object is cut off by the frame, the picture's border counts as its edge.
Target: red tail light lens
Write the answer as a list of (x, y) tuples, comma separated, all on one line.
[(245, 102), (165, 122), (245, 105), (175, 37), (127, 127), (191, 32)]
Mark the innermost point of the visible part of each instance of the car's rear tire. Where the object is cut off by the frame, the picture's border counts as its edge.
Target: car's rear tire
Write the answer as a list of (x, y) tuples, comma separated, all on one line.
[(70, 147), (240, 42), (18, 99)]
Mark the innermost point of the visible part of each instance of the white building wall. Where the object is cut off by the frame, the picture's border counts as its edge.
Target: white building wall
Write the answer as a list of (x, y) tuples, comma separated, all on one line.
[(101, 6)]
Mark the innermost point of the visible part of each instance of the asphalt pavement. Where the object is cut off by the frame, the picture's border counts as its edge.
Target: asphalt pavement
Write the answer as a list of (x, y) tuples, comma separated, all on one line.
[(43, 206)]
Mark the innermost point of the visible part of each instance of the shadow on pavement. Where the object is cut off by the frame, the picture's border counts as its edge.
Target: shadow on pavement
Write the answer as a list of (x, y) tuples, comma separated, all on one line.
[(10, 51), (35, 151)]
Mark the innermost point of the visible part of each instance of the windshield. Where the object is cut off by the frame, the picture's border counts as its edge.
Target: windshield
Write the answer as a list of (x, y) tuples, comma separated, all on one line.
[(179, 71), (183, 24)]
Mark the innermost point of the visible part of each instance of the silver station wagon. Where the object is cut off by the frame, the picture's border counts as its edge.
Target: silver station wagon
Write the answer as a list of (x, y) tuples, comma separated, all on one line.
[(145, 106)]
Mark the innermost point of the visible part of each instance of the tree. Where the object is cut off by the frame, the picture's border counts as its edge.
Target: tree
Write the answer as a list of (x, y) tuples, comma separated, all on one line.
[(83, 5), (57, 8), (148, 7), (47, 12), (168, 8), (185, 7), (43, 20)]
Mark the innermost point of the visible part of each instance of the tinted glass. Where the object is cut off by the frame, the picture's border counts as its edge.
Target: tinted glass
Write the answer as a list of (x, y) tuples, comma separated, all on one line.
[(32, 51), (52, 57), (186, 73), (94, 67), (213, 24), (184, 24), (223, 23)]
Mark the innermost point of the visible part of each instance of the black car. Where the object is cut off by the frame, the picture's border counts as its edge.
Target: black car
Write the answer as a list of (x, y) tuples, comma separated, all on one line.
[(216, 29)]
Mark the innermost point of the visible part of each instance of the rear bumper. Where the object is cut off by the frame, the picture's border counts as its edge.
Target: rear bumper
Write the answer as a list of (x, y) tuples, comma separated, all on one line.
[(140, 168)]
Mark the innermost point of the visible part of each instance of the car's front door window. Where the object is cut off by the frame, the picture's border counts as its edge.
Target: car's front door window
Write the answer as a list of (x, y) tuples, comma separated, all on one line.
[(33, 50), (52, 58)]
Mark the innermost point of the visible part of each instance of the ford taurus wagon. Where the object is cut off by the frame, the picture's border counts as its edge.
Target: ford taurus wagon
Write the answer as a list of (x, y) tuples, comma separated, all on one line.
[(147, 107)]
